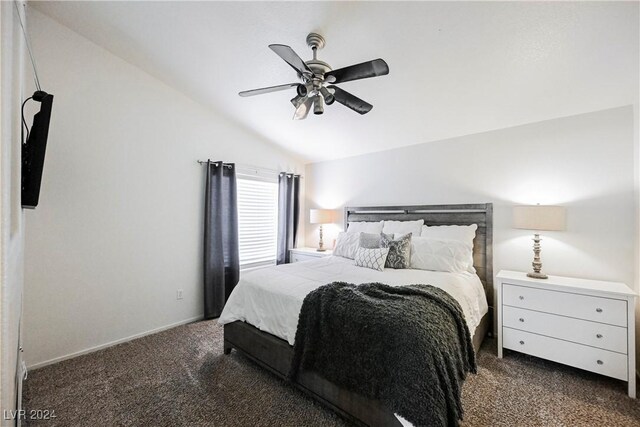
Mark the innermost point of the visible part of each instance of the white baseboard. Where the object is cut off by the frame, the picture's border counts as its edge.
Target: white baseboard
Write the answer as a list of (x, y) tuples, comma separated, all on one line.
[(111, 343)]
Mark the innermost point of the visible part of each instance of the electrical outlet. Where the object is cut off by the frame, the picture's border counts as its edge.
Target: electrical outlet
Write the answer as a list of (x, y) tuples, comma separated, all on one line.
[(179, 294)]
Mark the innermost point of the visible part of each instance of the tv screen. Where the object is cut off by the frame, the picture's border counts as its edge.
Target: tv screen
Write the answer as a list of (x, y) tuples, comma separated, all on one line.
[(33, 154)]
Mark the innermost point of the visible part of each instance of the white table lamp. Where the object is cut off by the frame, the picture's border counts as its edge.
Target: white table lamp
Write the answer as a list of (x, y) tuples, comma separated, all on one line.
[(321, 216), (538, 218)]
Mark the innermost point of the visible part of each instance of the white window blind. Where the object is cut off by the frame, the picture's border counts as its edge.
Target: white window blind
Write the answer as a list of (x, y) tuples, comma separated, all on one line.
[(257, 219)]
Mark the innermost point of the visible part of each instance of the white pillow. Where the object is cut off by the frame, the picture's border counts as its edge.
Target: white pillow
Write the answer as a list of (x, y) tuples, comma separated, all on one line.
[(347, 244), (371, 258), (460, 233), (365, 227), (403, 227), (451, 256)]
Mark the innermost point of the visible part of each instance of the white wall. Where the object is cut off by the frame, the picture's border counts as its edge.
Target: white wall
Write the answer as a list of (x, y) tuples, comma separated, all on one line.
[(11, 224), (584, 162), (119, 225), (636, 144)]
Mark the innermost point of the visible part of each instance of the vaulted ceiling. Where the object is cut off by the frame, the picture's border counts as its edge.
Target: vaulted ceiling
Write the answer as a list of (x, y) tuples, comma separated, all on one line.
[(456, 68)]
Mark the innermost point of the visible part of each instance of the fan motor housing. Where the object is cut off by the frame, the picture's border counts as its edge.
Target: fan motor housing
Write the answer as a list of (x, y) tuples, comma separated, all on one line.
[(318, 67)]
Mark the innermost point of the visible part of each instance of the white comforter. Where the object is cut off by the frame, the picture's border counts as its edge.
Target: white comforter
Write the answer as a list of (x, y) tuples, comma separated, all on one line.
[(270, 298)]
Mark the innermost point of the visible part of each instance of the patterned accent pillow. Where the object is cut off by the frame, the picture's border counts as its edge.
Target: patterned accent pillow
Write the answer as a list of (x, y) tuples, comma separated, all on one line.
[(388, 236), (399, 250), (369, 240), (371, 258)]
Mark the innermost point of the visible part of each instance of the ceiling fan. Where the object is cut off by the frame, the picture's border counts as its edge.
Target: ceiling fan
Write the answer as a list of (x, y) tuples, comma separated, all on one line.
[(318, 79)]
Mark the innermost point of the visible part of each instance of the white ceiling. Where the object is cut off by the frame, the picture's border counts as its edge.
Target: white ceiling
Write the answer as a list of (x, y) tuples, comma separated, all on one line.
[(456, 68)]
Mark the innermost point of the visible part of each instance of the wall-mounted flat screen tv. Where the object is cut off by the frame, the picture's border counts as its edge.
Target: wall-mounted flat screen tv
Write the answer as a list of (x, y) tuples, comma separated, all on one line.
[(33, 152)]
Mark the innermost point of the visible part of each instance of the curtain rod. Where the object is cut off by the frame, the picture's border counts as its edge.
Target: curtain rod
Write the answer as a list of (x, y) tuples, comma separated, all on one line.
[(204, 162), (256, 168)]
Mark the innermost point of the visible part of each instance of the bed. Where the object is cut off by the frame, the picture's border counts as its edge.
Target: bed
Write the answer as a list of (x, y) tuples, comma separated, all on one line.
[(261, 315)]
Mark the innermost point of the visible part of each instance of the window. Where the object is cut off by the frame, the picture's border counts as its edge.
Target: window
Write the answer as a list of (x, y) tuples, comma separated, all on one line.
[(257, 218)]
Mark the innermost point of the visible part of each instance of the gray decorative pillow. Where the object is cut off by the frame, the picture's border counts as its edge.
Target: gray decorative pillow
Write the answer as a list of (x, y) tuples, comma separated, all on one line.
[(369, 240), (399, 250), (371, 258)]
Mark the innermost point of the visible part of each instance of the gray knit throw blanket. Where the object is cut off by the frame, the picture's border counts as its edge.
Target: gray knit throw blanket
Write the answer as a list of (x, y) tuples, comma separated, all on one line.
[(406, 346)]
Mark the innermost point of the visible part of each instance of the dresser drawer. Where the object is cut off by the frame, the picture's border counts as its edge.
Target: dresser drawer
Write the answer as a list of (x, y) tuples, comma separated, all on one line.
[(597, 309), (595, 334), (580, 356)]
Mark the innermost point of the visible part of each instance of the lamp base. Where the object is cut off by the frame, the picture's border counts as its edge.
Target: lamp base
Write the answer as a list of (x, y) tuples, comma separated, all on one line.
[(320, 244), (537, 275), (536, 264)]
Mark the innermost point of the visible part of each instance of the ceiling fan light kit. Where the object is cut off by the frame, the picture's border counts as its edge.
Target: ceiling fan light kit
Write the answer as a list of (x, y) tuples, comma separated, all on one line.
[(315, 74), (297, 100), (328, 96), (318, 105), (302, 90)]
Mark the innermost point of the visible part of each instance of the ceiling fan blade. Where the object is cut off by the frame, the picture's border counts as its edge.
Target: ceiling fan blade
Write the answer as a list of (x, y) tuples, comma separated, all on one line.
[(291, 57), (269, 89), (350, 101), (374, 68), (303, 109)]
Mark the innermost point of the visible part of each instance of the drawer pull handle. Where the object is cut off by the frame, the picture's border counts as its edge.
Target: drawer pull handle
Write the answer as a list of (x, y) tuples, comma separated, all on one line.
[(521, 319), (521, 342), (599, 310), (600, 362), (521, 297), (598, 335)]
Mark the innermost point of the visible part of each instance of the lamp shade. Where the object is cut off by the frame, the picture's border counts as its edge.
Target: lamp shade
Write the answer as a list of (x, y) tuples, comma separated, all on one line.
[(320, 216), (536, 217)]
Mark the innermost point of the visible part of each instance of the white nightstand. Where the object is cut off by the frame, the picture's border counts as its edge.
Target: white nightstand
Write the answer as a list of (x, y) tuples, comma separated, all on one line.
[(583, 323), (305, 254)]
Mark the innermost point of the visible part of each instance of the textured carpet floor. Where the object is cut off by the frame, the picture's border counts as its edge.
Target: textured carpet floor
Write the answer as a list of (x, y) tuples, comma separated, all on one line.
[(181, 378)]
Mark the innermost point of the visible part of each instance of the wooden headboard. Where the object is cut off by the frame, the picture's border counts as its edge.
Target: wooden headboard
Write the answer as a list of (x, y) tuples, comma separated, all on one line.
[(463, 214)]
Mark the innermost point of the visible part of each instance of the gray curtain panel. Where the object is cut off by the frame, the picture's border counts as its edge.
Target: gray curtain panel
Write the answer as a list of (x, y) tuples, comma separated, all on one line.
[(288, 214), (221, 257)]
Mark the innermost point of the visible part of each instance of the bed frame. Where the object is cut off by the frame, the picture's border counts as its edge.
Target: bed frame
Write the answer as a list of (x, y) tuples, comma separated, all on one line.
[(275, 354)]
